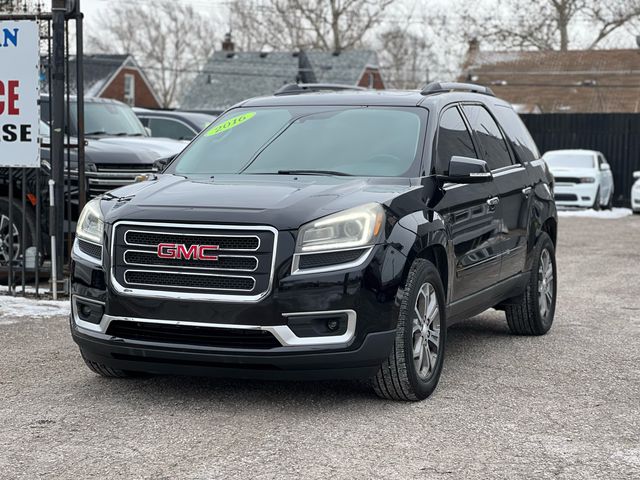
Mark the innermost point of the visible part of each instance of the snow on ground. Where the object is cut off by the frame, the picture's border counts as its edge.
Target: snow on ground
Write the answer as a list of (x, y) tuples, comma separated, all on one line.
[(591, 213), (12, 308)]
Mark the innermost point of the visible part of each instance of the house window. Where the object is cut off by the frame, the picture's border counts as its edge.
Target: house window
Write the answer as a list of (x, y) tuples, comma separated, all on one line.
[(130, 88)]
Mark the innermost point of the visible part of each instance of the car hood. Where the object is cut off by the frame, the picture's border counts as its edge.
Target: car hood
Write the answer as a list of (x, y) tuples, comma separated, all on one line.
[(284, 202), (573, 172), (131, 150)]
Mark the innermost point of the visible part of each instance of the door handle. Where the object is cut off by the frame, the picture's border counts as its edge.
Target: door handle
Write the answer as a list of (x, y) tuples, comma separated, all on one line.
[(492, 202), (526, 191)]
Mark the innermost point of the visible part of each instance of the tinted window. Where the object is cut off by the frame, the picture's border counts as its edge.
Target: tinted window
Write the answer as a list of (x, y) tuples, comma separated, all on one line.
[(521, 140), (352, 140), (492, 144), (453, 140), (162, 127)]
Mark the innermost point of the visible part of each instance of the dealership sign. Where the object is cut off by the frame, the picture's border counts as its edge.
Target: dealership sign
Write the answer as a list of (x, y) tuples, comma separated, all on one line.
[(19, 93)]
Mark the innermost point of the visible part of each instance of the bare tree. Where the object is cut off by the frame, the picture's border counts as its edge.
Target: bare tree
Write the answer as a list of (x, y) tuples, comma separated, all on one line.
[(330, 25), (170, 40), (548, 24), (404, 58)]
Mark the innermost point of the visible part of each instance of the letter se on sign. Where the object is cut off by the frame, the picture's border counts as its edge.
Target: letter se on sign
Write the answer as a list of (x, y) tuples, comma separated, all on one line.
[(19, 93)]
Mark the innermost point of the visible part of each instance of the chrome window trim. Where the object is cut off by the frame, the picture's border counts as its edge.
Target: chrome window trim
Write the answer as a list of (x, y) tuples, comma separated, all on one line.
[(124, 257), (295, 265), (198, 235), (177, 295), (283, 333)]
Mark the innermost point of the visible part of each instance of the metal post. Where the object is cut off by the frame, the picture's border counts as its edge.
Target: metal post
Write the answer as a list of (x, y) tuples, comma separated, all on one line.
[(80, 105), (57, 135), (52, 232)]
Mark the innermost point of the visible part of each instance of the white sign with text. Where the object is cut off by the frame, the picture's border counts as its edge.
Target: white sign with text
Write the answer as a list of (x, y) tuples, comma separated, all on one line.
[(19, 93)]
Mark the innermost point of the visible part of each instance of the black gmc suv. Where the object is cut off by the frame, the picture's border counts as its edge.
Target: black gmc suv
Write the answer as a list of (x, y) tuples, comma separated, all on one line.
[(321, 234)]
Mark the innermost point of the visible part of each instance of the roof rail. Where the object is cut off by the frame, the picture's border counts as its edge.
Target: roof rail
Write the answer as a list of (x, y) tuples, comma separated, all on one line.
[(441, 87), (297, 88)]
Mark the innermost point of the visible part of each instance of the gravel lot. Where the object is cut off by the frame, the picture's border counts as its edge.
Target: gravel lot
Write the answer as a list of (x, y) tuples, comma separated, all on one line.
[(566, 405)]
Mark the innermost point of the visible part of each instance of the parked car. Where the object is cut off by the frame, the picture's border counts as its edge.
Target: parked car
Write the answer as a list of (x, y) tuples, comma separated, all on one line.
[(174, 124), (635, 193), (583, 178), (310, 235), (117, 150)]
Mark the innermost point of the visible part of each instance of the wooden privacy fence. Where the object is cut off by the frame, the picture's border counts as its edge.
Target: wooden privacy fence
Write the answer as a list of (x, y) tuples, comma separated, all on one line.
[(616, 135)]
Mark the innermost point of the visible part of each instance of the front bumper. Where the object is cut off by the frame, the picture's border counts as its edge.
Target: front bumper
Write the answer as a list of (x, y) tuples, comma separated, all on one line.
[(365, 294), (579, 195)]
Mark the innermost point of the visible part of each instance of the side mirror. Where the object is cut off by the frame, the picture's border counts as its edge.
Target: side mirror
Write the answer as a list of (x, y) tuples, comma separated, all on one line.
[(467, 170), (161, 164), (636, 175), (605, 167), (149, 132)]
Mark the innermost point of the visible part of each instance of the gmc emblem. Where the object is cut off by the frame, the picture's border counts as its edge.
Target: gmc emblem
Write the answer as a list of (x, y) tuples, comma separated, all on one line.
[(180, 250)]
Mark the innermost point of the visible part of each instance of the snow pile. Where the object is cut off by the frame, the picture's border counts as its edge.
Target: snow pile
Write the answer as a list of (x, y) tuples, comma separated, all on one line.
[(591, 213), (17, 307)]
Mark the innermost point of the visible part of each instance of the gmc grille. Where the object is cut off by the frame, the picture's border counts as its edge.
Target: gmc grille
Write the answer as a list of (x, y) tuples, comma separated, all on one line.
[(242, 267), (111, 176)]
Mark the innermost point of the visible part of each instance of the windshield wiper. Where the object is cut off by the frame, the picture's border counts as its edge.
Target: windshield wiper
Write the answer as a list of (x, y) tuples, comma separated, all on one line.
[(127, 134), (313, 172), (101, 132)]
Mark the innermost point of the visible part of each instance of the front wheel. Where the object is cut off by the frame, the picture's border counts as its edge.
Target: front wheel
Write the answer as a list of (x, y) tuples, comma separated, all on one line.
[(532, 313), (413, 368), (13, 234)]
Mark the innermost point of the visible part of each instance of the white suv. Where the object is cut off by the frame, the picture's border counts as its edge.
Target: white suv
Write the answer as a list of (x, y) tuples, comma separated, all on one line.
[(635, 193), (582, 178)]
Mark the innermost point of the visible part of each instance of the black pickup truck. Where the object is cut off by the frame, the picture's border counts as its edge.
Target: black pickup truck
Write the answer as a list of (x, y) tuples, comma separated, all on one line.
[(321, 235), (118, 149)]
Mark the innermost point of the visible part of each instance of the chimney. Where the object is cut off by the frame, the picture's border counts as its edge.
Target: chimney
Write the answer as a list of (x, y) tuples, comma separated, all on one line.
[(227, 43), (474, 46)]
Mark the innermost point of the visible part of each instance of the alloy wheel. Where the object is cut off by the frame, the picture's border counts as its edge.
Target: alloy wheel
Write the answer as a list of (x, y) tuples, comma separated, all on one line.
[(545, 283), (426, 331), (7, 235)]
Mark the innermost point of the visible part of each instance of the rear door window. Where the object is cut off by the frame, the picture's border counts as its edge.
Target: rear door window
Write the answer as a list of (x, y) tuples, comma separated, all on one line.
[(520, 138), (493, 146)]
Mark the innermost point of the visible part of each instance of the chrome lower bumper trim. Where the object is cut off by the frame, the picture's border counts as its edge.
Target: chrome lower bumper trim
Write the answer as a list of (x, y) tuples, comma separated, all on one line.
[(283, 333)]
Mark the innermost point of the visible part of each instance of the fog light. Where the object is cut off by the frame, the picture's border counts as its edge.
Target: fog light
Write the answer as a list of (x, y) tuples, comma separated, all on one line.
[(333, 324)]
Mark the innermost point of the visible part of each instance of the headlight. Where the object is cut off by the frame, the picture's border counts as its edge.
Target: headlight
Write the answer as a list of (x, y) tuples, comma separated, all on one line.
[(90, 224), (587, 180), (353, 228)]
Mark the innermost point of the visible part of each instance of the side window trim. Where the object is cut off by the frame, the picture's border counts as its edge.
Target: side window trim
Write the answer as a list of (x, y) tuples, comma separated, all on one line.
[(446, 108), (512, 156)]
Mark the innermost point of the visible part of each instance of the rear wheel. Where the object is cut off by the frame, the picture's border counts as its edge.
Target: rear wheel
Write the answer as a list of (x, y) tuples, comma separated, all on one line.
[(413, 368), (532, 313)]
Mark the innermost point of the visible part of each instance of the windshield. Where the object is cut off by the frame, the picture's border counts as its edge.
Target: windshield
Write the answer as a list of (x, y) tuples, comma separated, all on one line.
[(362, 141), (564, 160), (109, 119)]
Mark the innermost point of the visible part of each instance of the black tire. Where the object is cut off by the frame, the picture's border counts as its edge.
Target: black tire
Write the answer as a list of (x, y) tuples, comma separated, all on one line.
[(596, 201), (609, 204), (524, 315), (105, 371), (29, 233), (398, 377)]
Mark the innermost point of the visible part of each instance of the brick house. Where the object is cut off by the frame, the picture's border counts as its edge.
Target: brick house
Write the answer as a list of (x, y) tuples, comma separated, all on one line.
[(229, 76), (575, 81), (118, 77)]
